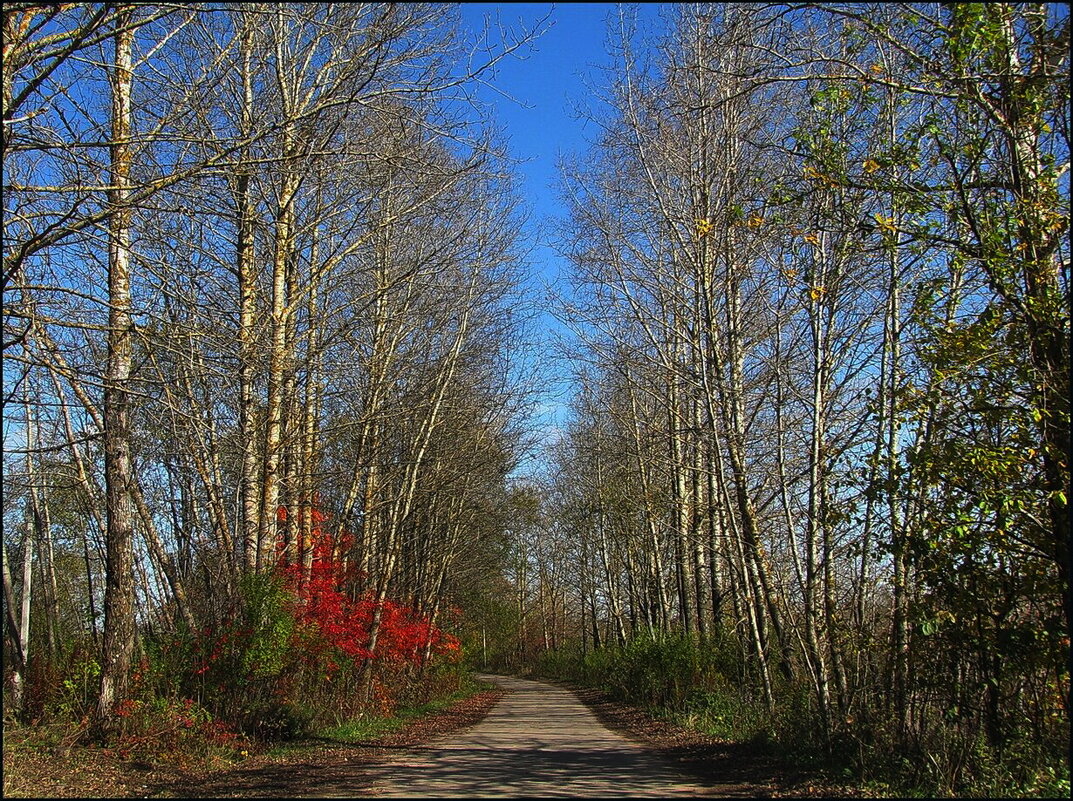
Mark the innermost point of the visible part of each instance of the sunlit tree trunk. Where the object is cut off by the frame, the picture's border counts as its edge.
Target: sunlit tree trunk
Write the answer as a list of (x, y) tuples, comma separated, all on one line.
[(42, 529), (247, 289), (279, 358), (119, 622), (19, 628)]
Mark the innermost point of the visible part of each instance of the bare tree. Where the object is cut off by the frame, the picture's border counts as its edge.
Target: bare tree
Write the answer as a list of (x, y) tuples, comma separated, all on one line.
[(119, 623)]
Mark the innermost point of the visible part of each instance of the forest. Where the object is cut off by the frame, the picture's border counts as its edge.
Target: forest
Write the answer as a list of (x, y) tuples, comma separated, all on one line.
[(270, 371)]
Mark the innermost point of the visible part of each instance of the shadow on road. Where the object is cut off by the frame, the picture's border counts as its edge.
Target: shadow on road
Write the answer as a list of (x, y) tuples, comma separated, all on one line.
[(538, 741), (572, 772)]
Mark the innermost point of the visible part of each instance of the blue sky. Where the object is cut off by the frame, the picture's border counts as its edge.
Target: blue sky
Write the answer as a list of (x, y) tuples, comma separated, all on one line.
[(548, 80)]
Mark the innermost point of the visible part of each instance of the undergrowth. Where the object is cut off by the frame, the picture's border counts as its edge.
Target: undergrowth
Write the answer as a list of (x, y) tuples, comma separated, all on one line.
[(704, 685), (372, 727)]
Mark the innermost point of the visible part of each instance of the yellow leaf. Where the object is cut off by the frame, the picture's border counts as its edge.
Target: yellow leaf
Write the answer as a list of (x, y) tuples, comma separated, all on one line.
[(816, 292), (755, 221), (812, 239), (877, 69), (871, 165), (886, 223), (704, 227)]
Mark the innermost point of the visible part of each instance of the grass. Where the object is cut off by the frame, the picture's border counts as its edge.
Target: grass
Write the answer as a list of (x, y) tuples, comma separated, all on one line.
[(361, 730), (53, 759), (367, 728)]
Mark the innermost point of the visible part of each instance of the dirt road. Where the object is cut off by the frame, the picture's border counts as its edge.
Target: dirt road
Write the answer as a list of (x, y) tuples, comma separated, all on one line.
[(540, 740)]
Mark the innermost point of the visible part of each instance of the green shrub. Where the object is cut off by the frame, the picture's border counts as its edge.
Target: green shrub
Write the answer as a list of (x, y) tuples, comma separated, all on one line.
[(955, 762), (705, 685), (78, 687), (61, 686), (661, 672), (275, 720), (268, 621), (563, 664), (728, 712), (159, 728)]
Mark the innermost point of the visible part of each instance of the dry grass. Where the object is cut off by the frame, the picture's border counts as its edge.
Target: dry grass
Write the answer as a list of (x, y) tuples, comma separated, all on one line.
[(41, 762)]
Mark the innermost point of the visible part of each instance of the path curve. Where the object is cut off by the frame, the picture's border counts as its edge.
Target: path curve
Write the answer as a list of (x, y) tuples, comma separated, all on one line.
[(538, 741)]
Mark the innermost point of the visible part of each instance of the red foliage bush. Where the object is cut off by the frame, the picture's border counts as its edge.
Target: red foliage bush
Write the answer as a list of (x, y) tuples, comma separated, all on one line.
[(297, 645), (345, 623)]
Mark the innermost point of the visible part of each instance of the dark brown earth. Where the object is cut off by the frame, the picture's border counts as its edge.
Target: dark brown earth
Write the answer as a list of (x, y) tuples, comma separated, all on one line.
[(309, 766), (31, 771)]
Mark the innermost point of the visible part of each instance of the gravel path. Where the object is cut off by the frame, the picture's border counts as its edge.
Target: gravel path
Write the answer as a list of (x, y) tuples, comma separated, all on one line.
[(539, 741)]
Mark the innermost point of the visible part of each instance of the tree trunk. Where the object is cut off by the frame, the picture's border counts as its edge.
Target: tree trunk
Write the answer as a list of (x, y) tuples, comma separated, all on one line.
[(19, 630), (119, 623), (244, 267)]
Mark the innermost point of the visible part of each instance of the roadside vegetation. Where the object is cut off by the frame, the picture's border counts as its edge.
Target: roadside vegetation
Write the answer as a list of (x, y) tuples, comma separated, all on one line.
[(699, 684), (815, 486), (256, 452), (50, 760), (268, 380), (285, 674)]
